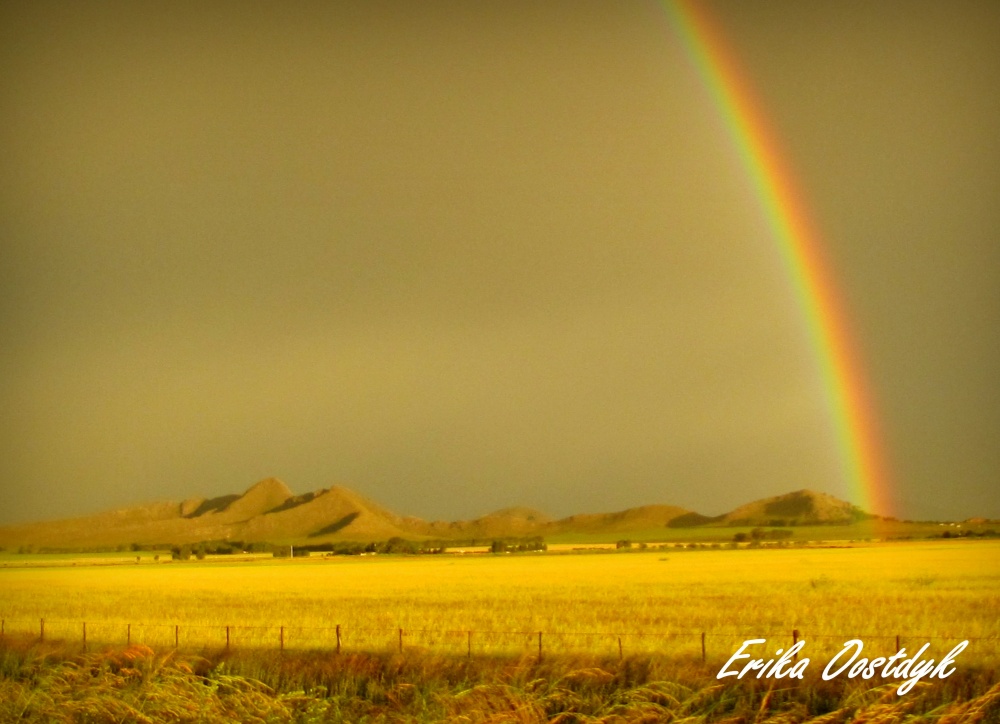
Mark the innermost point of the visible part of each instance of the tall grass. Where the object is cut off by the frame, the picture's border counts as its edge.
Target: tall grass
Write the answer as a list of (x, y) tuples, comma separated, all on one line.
[(139, 684)]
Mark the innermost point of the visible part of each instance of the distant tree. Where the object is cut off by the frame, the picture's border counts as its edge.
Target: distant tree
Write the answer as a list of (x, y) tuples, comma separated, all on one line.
[(180, 553), (530, 544), (348, 549), (520, 545), (623, 544), (399, 545)]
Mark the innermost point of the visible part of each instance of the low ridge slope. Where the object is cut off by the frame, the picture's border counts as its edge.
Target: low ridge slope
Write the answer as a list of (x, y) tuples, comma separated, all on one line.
[(624, 521), (101, 529), (517, 521)]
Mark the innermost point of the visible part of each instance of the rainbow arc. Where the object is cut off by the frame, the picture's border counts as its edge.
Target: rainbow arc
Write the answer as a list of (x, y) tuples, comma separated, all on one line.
[(802, 252)]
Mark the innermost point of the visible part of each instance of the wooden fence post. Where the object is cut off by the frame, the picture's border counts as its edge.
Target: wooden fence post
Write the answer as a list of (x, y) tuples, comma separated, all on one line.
[(400, 633)]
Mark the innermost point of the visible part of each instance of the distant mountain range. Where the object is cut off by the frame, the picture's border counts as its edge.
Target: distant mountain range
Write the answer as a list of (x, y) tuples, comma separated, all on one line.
[(269, 511)]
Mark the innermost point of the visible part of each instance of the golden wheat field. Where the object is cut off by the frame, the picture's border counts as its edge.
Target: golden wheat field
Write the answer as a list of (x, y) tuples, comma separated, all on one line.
[(455, 638), (649, 602)]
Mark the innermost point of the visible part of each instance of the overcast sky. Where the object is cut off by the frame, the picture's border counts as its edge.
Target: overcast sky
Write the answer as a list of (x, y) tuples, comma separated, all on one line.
[(459, 256)]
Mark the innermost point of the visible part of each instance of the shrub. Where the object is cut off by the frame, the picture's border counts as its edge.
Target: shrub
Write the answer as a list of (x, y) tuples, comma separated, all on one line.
[(180, 553)]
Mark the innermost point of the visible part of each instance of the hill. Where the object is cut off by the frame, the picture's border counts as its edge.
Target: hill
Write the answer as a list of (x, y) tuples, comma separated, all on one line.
[(259, 500), (506, 523), (326, 515), (803, 507), (625, 521), (269, 511)]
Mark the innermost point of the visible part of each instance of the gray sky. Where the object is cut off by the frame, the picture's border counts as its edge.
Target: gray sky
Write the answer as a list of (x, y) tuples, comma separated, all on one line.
[(458, 256)]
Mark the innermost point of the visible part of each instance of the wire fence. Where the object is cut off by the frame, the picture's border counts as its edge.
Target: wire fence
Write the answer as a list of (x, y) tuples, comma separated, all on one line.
[(704, 645)]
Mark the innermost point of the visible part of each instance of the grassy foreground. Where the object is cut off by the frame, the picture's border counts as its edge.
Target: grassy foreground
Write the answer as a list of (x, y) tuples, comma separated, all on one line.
[(137, 684), (622, 637)]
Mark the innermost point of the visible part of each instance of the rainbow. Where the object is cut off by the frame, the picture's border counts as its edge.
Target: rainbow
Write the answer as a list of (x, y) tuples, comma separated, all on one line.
[(801, 249)]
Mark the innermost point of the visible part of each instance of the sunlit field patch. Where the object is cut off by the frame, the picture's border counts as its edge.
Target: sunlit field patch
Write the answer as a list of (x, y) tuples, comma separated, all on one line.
[(627, 603)]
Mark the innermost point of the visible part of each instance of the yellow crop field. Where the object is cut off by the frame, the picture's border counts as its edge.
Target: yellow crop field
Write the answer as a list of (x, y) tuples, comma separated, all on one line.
[(648, 602), (455, 638)]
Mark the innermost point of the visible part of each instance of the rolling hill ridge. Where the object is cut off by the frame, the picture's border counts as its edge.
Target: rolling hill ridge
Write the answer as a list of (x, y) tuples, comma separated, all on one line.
[(269, 511)]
